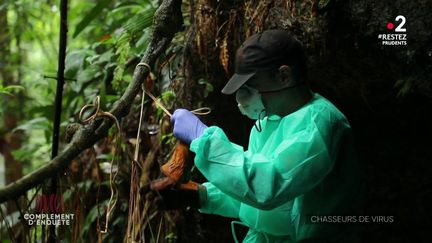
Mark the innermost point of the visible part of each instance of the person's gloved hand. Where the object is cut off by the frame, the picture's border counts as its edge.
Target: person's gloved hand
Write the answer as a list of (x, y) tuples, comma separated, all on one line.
[(190, 194), (187, 126)]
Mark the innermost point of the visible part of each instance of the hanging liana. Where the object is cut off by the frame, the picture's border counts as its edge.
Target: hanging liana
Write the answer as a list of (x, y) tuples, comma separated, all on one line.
[(114, 193)]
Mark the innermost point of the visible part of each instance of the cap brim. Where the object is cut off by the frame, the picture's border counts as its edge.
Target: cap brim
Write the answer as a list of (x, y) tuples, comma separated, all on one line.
[(235, 82)]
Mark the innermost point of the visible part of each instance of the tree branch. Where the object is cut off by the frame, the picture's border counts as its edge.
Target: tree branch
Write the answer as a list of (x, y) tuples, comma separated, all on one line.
[(167, 21)]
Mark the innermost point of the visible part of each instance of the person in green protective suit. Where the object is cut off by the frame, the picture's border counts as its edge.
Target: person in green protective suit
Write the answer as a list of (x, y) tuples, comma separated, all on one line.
[(300, 164)]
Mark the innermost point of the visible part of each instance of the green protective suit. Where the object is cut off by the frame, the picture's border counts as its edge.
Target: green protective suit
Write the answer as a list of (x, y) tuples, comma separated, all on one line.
[(298, 166)]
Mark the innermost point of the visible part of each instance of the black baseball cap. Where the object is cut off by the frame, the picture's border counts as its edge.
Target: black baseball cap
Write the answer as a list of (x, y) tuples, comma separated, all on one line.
[(267, 50)]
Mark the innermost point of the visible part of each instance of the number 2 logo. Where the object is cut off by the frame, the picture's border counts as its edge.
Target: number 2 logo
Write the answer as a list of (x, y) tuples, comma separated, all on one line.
[(402, 23)]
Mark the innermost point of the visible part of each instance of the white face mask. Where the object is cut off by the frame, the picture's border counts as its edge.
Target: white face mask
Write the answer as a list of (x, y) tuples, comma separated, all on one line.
[(250, 103)]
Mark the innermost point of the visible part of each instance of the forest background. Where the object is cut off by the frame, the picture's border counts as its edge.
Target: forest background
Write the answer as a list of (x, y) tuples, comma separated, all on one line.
[(385, 91)]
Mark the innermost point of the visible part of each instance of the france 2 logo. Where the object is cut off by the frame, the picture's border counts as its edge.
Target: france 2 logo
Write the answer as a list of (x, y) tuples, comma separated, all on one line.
[(396, 38), (399, 28)]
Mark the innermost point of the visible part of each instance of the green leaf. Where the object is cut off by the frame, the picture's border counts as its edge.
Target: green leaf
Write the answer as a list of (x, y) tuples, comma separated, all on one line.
[(5, 92), (208, 86), (86, 185), (23, 154), (104, 156), (67, 195), (171, 237), (14, 87), (126, 5), (88, 74), (404, 85), (91, 217), (123, 49), (139, 22), (119, 221), (105, 57), (142, 42), (3, 6), (42, 111), (40, 123), (74, 61), (94, 13), (168, 98), (8, 89)]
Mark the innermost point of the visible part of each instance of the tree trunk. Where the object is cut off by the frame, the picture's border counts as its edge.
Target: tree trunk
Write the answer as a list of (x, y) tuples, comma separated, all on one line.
[(10, 141)]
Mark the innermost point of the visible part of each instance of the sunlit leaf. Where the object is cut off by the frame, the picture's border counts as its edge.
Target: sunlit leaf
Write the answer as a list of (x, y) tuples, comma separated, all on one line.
[(9, 89)]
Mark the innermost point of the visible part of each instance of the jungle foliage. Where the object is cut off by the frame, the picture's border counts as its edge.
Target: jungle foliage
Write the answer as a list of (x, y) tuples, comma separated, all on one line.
[(107, 39)]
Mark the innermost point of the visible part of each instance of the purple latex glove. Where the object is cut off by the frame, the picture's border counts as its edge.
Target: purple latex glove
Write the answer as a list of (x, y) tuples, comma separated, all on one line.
[(187, 126)]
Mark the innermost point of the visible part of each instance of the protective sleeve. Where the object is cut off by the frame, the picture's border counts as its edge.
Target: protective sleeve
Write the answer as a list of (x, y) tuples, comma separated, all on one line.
[(296, 166), (219, 203)]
